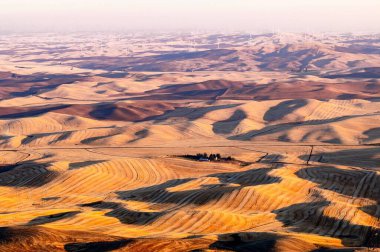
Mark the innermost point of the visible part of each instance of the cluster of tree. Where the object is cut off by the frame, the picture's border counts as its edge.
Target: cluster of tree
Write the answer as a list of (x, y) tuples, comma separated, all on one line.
[(211, 157)]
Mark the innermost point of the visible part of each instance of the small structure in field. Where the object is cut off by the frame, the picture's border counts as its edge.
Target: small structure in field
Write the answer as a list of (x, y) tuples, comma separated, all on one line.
[(211, 158)]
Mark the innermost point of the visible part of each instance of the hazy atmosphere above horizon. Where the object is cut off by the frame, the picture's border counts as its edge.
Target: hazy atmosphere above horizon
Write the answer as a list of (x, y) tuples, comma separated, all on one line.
[(181, 15), (189, 125)]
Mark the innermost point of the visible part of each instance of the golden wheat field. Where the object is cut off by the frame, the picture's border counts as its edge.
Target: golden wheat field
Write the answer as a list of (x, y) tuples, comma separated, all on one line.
[(98, 143)]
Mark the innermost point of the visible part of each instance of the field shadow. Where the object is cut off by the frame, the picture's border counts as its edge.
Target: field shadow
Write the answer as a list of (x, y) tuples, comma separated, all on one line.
[(207, 193), (352, 183), (189, 113), (116, 75), (371, 210), (62, 136), (51, 218), (100, 246), (309, 218), (140, 135), (234, 242), (363, 158), (103, 111), (26, 174), (283, 109), (32, 112), (79, 165), (36, 83), (229, 125), (272, 158), (372, 134), (161, 194), (282, 127), (12, 234), (248, 178), (124, 215), (92, 140)]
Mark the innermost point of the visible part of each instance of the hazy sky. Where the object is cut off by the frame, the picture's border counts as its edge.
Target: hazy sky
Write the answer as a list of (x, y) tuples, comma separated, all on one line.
[(228, 15)]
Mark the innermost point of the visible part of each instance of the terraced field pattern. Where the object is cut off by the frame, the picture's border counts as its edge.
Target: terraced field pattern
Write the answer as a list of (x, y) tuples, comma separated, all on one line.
[(93, 143)]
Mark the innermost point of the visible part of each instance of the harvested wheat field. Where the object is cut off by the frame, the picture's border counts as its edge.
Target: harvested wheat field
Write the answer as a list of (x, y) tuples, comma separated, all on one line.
[(99, 143)]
